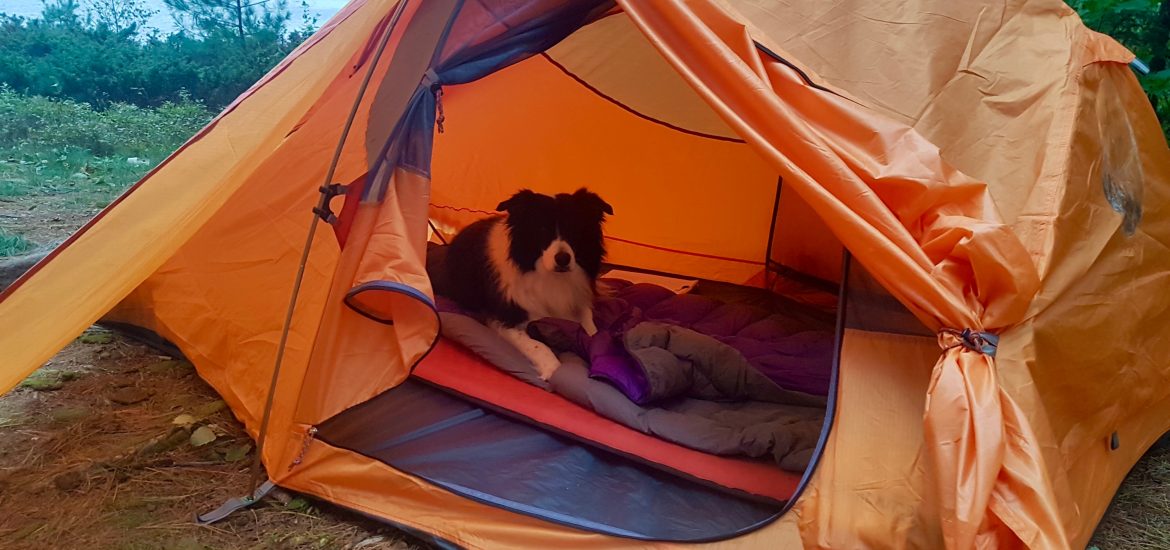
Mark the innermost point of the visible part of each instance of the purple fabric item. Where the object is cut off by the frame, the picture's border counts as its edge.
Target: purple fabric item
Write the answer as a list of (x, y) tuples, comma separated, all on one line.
[(609, 361), (778, 346)]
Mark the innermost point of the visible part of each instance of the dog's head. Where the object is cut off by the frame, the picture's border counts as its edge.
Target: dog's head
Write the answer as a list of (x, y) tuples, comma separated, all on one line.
[(556, 234)]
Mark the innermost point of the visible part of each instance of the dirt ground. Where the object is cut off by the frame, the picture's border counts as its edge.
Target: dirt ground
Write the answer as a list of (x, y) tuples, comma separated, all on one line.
[(42, 220), (104, 448), (110, 445)]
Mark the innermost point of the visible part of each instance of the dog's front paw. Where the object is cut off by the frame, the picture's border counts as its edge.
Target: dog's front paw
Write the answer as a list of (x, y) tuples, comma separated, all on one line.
[(545, 361), (542, 358)]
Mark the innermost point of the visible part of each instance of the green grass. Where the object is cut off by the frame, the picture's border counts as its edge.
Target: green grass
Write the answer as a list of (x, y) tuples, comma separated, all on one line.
[(12, 244), (62, 147), (89, 181)]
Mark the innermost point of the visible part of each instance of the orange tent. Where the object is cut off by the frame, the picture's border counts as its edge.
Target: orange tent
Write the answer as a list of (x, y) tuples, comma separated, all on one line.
[(992, 166)]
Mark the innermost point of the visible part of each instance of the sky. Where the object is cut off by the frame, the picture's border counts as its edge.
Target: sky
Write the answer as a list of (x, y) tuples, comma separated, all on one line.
[(321, 9)]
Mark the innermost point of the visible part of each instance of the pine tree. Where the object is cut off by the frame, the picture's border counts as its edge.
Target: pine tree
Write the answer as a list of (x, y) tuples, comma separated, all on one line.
[(240, 18)]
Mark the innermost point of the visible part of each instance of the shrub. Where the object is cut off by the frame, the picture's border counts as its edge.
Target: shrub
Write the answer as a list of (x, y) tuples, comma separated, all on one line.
[(41, 123), (103, 59)]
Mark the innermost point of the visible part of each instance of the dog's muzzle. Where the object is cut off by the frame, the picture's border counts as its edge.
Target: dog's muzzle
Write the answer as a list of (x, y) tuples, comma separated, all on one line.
[(562, 260)]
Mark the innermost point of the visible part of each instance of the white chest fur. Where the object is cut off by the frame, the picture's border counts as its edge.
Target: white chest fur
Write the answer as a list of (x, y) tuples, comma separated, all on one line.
[(541, 292)]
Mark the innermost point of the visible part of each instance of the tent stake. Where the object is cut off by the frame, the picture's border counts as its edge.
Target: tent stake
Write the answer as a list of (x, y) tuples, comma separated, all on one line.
[(323, 205)]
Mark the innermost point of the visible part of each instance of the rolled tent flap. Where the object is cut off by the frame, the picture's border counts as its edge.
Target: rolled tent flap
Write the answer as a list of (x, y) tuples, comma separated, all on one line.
[(354, 358), (380, 272), (928, 233), (392, 266)]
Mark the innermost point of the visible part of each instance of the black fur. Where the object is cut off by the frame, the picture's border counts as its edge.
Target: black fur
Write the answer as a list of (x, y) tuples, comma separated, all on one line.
[(535, 220), (467, 276)]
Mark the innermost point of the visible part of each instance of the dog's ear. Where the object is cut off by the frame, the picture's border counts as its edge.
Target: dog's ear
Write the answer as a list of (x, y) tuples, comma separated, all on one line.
[(522, 197), (593, 201)]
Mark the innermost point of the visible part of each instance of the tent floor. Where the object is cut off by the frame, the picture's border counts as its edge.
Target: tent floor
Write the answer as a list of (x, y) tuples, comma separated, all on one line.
[(481, 454)]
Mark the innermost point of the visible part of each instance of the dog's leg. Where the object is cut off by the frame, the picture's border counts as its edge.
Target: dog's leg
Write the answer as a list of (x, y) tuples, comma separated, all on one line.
[(587, 322), (542, 357)]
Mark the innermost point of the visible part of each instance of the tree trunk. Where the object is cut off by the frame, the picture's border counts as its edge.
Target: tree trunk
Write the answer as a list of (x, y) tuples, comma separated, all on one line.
[(1159, 37), (240, 20)]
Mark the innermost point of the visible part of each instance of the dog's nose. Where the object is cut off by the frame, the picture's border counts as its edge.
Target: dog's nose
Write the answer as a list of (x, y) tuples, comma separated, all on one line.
[(562, 259)]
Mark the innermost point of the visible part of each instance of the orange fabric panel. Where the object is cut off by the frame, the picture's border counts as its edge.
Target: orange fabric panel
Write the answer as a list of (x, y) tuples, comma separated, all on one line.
[(1030, 80), (531, 125), (1007, 66), (137, 235), (457, 369), (874, 48), (613, 57), (1093, 359), (1019, 105), (871, 487), (222, 296), (927, 232)]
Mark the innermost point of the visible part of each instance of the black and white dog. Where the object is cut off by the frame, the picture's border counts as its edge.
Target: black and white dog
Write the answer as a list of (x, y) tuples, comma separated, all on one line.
[(541, 259)]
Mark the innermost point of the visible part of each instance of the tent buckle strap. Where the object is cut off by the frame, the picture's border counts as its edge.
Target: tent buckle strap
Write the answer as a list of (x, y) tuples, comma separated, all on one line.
[(327, 193), (432, 82), (233, 505), (430, 79), (982, 342)]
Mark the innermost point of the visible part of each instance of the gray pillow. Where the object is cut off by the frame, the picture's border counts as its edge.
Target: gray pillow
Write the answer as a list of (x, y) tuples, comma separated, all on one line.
[(488, 344)]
